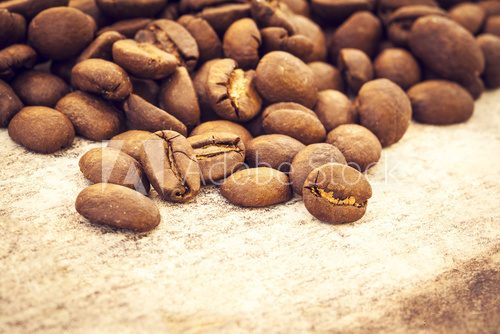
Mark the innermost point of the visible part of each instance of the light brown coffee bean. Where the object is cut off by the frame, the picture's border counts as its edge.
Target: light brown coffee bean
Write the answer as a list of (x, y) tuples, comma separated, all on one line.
[(490, 45), (14, 58), (101, 47), (38, 88), (333, 109), (385, 8), (209, 44), (326, 76), (303, 26), (221, 17), (272, 14), (275, 151), (356, 68), (219, 126), (399, 66), (279, 39), (242, 41), (132, 142), (469, 15), (11, 104)]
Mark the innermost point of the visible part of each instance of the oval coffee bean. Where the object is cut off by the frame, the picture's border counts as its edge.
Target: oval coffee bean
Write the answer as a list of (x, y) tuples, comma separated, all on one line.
[(359, 145), (385, 8), (272, 14), (41, 129), (326, 76), (278, 39), (15, 57), (490, 45), (117, 206), (11, 104), (12, 28), (399, 66), (309, 158), (242, 41), (102, 77), (257, 187), (132, 142), (218, 154), (440, 102), (209, 44), (336, 194), (221, 17), (333, 109), (356, 68), (221, 125), (275, 151), (384, 109), (305, 27), (171, 166), (293, 120), (130, 8), (38, 88), (101, 47), (468, 15)]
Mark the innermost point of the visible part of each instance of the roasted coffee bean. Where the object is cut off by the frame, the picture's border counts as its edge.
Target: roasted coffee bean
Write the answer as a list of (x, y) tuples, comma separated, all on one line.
[(469, 15), (62, 69), (143, 60), (303, 26), (278, 39), (440, 102), (218, 154), (110, 165), (15, 57), (29, 8), (273, 14), (309, 158), (200, 86), (171, 166), (384, 109), (356, 68), (127, 28), (242, 41), (221, 17), (399, 66), (93, 117), (338, 10), (490, 7), (37, 88), (275, 151), (359, 145), (219, 126), (132, 142), (178, 97), (101, 47), (293, 120), (61, 33), (117, 206), (333, 109), (386, 7), (492, 25), (282, 77), (102, 77), (209, 44), (257, 187), (300, 7), (326, 76), (147, 89), (142, 115), (361, 31), (90, 8), (173, 38), (41, 129), (10, 105), (124, 9), (336, 194), (231, 92), (490, 45), (12, 28)]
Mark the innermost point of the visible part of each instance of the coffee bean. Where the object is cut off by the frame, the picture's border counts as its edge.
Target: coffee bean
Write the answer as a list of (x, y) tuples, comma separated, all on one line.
[(385, 8), (41, 129), (278, 39), (333, 109), (440, 102), (242, 41), (492, 25), (384, 109), (101, 47), (399, 66), (273, 14), (218, 154), (309, 158), (275, 151), (29, 8), (146, 88), (102, 77), (143, 60), (200, 86), (490, 7), (142, 115), (231, 92), (90, 8), (209, 44), (61, 33), (219, 126), (356, 68), (300, 7), (468, 15), (12, 28), (360, 146), (257, 187), (282, 77), (130, 8), (171, 166), (303, 26), (221, 17), (490, 45), (294, 120), (117, 206), (14, 58), (336, 194), (132, 142), (93, 118), (38, 88), (326, 76), (337, 11), (127, 28), (11, 104)]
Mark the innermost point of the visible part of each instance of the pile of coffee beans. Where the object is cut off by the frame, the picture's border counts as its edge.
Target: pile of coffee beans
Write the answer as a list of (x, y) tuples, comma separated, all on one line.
[(264, 98)]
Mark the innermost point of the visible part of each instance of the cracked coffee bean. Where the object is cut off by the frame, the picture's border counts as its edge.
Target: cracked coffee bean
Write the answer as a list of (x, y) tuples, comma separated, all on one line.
[(132, 142), (12, 28), (221, 125), (333, 109), (14, 58), (399, 66), (336, 194), (242, 41), (356, 68), (36, 88), (275, 151), (130, 8), (117, 206), (101, 47)]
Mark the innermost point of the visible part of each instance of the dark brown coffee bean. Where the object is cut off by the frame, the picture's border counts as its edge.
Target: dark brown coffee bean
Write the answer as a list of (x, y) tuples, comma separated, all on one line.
[(221, 17), (469, 15), (218, 154), (309, 158), (62, 69), (273, 14), (360, 146), (257, 187), (209, 44), (101, 47), (110, 165), (102, 77), (399, 66), (337, 11), (124, 9), (490, 45), (293, 120), (275, 151), (171, 166), (93, 117), (37, 88), (14, 58), (278, 39), (178, 97), (360, 31), (10, 105), (242, 41), (384, 109), (282, 77), (117, 206), (440, 102), (29, 8), (385, 8), (41, 129), (492, 25), (127, 28), (231, 91), (201, 87), (219, 126), (356, 68), (170, 12), (61, 33), (303, 26), (147, 89), (12, 28), (491, 7), (333, 109), (336, 194), (326, 76), (255, 126), (142, 115), (132, 142), (143, 60), (90, 8)]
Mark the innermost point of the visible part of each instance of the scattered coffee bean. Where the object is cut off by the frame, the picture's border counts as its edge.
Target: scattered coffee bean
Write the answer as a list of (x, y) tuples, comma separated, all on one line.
[(490, 45), (14, 58), (241, 43), (219, 126), (37, 88), (101, 47), (469, 15), (11, 104), (275, 151), (130, 8), (399, 66), (356, 68), (209, 44), (12, 28), (132, 142), (333, 109), (326, 76)]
